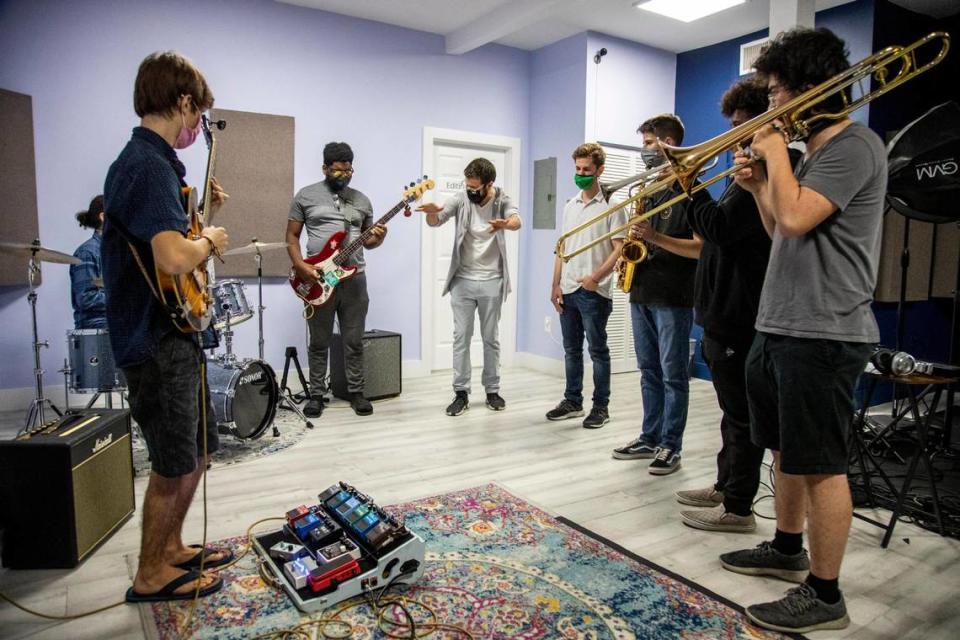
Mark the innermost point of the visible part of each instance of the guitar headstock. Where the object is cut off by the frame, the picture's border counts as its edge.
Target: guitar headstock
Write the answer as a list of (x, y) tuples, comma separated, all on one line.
[(206, 124), (416, 189)]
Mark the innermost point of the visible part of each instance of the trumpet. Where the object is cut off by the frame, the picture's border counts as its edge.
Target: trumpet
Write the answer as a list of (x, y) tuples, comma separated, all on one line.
[(889, 67)]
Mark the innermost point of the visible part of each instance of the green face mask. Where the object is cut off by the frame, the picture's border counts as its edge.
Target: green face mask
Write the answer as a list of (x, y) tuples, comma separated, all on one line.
[(583, 182)]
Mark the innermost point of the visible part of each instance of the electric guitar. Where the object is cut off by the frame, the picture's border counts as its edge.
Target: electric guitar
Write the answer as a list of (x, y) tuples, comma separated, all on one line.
[(186, 295), (330, 263)]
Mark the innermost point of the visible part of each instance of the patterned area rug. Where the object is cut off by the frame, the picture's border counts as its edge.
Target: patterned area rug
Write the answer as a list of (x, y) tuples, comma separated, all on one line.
[(497, 567), (233, 450)]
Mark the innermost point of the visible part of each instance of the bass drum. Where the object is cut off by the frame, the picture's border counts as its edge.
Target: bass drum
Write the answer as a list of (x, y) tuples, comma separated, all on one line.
[(244, 396)]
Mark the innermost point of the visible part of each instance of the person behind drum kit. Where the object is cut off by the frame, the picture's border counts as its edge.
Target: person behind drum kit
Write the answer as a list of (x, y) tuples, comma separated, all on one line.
[(325, 208), (661, 308), (86, 278), (163, 367), (478, 279)]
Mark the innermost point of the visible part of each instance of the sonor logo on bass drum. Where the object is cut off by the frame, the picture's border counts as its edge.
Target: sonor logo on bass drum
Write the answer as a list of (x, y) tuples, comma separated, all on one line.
[(936, 168), (102, 443), (251, 377)]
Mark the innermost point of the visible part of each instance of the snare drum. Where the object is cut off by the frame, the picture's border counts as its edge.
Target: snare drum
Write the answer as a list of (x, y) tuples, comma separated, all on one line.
[(244, 396), (91, 362), (230, 301)]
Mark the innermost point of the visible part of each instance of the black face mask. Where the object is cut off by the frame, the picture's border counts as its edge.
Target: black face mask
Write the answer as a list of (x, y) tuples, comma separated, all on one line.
[(337, 184), (476, 196)]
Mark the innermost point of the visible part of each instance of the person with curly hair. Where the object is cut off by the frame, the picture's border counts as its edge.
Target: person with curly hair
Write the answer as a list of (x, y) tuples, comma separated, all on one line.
[(815, 327)]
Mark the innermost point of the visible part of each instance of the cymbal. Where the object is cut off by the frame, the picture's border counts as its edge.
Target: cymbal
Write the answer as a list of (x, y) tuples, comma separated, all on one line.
[(43, 254), (256, 247)]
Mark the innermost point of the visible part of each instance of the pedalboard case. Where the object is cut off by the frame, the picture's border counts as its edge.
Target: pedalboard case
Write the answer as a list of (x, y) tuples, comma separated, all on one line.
[(339, 548)]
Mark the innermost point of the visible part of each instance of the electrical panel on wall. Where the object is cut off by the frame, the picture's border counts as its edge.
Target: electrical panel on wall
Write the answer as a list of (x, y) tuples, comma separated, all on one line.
[(545, 193)]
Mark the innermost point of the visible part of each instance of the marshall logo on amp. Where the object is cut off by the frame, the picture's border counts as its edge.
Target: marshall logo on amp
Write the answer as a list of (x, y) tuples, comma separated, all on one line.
[(102, 443)]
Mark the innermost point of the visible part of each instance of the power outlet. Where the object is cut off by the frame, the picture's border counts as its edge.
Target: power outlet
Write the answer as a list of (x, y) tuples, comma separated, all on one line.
[(547, 324)]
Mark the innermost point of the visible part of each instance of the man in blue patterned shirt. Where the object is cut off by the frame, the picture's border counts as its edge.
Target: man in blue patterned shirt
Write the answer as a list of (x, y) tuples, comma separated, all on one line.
[(86, 278)]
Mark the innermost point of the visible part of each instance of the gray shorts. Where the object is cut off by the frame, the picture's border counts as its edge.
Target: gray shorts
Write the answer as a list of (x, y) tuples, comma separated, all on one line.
[(165, 402)]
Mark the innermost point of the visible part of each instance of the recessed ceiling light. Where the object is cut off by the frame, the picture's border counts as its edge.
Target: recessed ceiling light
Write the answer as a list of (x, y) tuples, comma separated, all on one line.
[(686, 10)]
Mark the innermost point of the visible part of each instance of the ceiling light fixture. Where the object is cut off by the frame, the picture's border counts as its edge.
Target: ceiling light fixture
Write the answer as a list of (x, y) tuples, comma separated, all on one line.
[(686, 10)]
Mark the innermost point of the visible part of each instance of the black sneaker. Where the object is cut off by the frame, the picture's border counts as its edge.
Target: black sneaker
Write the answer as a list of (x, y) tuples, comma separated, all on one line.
[(361, 406), (313, 408), (665, 462), (495, 402), (461, 402), (598, 417), (764, 560), (800, 611), (635, 450), (564, 410)]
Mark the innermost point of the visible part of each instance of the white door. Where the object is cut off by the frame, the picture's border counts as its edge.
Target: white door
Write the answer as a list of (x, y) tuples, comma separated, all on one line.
[(446, 154)]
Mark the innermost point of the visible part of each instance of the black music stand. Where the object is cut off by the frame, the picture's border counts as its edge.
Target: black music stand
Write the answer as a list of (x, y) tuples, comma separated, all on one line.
[(868, 463), (922, 186)]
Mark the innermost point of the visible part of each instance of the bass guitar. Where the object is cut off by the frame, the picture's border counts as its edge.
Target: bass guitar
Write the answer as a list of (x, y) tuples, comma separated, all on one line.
[(331, 263), (187, 295)]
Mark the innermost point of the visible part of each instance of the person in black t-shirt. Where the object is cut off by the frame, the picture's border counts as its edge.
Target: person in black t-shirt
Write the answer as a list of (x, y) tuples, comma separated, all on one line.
[(661, 308), (163, 367), (729, 278)]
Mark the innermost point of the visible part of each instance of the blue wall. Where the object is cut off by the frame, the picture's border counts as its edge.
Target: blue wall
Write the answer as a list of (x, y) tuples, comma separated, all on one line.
[(704, 74)]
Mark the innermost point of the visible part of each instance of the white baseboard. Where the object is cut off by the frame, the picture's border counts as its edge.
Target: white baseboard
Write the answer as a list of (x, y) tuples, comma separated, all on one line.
[(543, 364)]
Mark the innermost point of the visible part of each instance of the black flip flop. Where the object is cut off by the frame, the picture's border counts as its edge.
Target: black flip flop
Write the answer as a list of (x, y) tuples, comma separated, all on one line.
[(194, 562), (168, 592)]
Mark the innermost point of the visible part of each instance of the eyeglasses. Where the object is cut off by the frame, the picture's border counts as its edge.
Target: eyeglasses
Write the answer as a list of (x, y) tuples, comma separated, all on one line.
[(340, 173)]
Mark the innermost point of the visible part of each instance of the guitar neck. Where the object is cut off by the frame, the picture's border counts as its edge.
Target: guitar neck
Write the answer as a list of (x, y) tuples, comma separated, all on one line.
[(206, 211), (356, 244)]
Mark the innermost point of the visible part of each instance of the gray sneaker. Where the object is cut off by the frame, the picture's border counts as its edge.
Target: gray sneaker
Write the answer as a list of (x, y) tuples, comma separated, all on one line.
[(800, 611), (718, 519), (764, 560), (708, 497)]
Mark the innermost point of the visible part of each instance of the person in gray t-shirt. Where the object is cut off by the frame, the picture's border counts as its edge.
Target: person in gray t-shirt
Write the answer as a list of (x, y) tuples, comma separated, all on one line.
[(325, 208), (815, 327)]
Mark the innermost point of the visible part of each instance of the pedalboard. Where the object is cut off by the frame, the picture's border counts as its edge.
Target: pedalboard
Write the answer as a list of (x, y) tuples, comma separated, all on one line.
[(339, 548)]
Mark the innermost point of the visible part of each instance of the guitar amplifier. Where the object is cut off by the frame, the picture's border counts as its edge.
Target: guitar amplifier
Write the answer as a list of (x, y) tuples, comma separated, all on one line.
[(381, 365), (65, 488)]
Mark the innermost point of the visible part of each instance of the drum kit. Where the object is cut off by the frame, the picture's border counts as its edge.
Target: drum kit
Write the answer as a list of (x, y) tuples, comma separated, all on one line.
[(244, 391)]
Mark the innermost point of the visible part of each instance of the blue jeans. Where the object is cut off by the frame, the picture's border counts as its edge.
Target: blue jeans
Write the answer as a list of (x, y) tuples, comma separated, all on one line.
[(661, 338), (586, 312)]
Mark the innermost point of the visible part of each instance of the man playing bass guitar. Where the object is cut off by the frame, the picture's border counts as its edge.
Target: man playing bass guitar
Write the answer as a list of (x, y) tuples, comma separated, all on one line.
[(324, 208)]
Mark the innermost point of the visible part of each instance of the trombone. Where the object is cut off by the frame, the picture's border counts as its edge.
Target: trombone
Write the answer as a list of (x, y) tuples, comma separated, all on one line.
[(889, 67)]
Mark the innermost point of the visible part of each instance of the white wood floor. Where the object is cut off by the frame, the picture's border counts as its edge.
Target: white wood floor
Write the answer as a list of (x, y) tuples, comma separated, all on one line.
[(408, 448)]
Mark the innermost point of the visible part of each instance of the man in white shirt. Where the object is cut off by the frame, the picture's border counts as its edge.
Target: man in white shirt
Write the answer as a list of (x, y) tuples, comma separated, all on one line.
[(582, 291), (478, 280)]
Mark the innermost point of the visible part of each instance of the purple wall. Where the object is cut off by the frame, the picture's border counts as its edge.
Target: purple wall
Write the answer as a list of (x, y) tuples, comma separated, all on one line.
[(373, 85), (631, 83), (557, 88)]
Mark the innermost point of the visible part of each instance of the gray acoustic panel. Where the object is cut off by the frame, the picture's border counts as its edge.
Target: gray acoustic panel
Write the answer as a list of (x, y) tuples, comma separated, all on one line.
[(255, 167), (18, 183), (946, 257), (891, 248), (545, 193)]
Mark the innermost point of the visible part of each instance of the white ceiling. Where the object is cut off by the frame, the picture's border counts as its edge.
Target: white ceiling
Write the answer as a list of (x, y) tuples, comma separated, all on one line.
[(531, 24)]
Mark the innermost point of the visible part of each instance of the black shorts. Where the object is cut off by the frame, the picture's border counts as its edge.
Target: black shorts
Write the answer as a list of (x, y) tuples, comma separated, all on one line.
[(165, 402), (800, 393)]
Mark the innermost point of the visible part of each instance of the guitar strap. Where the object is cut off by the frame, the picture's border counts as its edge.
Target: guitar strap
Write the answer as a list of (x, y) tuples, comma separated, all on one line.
[(136, 256)]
